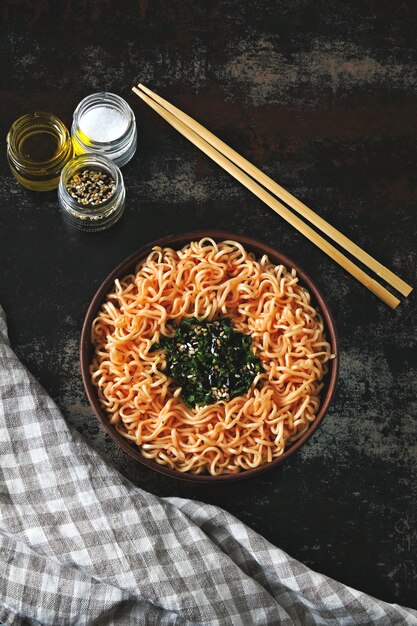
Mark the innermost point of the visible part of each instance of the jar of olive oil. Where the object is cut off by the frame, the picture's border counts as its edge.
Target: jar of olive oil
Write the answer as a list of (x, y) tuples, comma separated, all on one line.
[(38, 147)]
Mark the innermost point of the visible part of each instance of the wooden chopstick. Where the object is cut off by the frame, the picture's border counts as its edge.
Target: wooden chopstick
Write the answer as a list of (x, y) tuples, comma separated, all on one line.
[(343, 241), (272, 202)]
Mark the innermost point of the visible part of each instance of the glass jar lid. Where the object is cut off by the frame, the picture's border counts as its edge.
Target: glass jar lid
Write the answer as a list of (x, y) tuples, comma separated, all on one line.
[(104, 123)]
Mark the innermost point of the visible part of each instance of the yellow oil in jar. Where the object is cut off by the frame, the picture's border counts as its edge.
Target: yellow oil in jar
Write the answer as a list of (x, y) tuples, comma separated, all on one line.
[(39, 146)]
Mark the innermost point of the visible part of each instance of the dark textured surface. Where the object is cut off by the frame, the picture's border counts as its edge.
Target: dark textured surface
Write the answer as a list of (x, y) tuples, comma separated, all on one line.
[(321, 95)]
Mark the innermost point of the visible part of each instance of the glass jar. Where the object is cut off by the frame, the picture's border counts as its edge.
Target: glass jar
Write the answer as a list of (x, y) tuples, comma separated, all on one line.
[(104, 123), (92, 217), (38, 147)]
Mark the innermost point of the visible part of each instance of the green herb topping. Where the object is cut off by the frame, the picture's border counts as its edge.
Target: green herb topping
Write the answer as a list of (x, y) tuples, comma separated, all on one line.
[(209, 360)]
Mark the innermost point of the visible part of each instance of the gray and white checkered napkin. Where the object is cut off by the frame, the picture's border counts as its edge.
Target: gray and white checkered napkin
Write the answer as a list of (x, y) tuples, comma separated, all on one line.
[(79, 544)]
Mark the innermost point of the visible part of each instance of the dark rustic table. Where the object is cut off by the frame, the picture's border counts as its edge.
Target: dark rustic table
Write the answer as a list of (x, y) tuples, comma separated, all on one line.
[(322, 96)]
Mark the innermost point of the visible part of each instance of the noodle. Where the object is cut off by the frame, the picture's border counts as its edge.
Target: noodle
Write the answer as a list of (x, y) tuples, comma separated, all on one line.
[(209, 280)]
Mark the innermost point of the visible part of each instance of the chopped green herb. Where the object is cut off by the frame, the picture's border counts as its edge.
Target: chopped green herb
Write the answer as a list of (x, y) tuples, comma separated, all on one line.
[(210, 361)]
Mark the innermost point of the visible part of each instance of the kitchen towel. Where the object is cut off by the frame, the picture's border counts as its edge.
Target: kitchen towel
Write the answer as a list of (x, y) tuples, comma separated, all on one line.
[(80, 544)]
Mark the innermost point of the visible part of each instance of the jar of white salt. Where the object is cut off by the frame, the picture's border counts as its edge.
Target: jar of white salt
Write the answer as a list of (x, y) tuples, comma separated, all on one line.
[(104, 123)]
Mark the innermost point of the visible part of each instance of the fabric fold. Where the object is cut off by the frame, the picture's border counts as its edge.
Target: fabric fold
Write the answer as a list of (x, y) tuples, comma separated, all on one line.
[(79, 544)]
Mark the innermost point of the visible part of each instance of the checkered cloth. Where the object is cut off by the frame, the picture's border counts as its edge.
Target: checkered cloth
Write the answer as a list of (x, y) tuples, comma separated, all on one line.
[(79, 544)]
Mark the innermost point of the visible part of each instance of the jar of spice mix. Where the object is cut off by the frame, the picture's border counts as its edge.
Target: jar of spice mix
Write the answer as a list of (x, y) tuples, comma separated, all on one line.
[(91, 192), (105, 124)]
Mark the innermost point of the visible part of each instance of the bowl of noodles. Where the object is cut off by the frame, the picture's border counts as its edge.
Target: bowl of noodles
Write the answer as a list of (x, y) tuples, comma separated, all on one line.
[(209, 356)]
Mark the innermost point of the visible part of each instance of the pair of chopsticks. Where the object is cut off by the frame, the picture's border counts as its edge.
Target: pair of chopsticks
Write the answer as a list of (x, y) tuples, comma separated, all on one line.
[(252, 178)]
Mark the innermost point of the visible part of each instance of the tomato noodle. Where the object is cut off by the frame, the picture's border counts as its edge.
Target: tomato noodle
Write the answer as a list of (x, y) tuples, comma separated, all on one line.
[(209, 280)]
